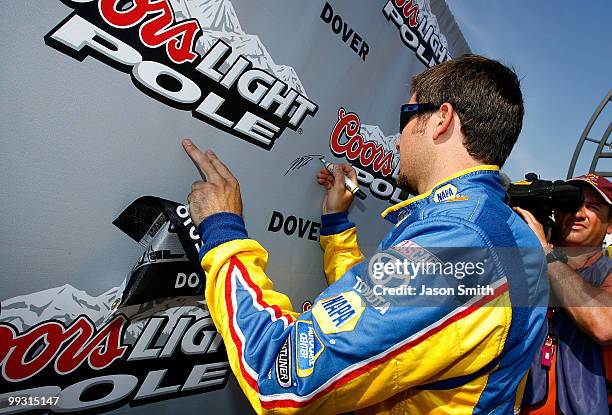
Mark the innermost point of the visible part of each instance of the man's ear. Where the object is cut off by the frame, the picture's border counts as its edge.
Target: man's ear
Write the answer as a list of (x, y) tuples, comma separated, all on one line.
[(609, 228), (444, 117)]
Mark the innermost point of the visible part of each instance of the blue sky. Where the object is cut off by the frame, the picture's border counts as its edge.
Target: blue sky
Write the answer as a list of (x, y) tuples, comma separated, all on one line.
[(562, 51)]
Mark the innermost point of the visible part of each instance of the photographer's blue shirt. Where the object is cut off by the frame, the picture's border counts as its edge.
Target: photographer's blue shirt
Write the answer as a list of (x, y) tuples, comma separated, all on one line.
[(580, 372)]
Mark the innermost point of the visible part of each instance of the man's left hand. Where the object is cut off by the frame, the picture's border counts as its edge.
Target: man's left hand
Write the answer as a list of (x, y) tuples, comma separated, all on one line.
[(218, 192)]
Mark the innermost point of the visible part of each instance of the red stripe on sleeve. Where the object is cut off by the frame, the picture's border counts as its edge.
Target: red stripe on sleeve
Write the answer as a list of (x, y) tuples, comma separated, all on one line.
[(230, 311), (277, 311)]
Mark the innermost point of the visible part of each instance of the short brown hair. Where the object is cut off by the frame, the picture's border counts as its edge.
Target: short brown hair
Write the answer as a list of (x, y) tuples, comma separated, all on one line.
[(487, 98)]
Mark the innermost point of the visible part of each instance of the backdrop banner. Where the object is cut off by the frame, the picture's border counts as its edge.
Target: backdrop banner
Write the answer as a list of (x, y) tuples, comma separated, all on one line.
[(101, 294)]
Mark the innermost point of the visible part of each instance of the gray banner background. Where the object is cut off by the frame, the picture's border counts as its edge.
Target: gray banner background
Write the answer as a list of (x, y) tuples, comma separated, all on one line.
[(80, 142)]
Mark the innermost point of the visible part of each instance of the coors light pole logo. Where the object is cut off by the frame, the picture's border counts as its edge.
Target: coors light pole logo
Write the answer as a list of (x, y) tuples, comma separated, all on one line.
[(92, 362), (187, 64), (418, 29), (372, 154), (64, 350)]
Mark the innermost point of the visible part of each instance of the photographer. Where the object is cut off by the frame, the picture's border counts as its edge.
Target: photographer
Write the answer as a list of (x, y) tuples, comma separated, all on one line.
[(571, 378)]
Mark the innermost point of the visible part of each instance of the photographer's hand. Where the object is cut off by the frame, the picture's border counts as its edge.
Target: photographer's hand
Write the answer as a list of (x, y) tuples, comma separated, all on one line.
[(219, 193), (535, 226), (590, 307), (337, 198)]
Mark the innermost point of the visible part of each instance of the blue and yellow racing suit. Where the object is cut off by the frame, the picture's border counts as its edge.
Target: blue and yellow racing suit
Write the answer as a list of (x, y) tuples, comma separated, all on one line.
[(359, 350)]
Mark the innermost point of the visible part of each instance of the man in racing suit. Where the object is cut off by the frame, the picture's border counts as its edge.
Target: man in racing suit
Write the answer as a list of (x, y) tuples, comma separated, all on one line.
[(357, 349)]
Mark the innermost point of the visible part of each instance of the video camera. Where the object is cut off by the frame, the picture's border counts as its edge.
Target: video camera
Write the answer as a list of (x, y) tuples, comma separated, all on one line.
[(544, 197)]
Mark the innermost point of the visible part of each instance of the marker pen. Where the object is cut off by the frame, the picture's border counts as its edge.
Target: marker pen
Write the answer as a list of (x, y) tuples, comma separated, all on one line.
[(348, 183)]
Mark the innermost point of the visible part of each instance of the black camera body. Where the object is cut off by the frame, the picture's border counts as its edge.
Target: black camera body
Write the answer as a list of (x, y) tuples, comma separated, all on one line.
[(544, 197)]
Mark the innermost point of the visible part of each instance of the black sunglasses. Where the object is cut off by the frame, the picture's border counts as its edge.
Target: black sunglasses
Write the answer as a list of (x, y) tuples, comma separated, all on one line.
[(410, 110)]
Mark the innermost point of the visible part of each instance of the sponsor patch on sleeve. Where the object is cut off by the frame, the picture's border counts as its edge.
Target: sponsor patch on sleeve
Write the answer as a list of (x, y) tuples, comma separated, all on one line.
[(338, 313), (308, 348), (283, 365), (414, 252)]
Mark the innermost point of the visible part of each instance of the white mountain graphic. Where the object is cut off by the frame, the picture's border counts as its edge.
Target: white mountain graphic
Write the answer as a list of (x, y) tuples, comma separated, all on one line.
[(218, 20), (63, 303), (66, 303), (216, 15)]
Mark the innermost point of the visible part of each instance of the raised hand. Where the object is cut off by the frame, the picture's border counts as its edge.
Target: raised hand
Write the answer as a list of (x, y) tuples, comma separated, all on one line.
[(218, 192)]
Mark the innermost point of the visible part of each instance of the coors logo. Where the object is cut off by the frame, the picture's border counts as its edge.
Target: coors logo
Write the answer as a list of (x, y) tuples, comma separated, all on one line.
[(174, 62), (84, 368), (66, 351), (373, 155)]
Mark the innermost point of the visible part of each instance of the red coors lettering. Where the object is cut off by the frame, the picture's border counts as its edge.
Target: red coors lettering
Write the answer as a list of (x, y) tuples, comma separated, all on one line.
[(410, 10), (99, 348), (179, 38), (368, 152)]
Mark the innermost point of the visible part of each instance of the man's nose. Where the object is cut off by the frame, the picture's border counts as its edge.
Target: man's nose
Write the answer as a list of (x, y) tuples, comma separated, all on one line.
[(581, 212)]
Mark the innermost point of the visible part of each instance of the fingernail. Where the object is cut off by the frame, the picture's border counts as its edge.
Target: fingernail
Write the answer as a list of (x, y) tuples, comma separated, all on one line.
[(187, 142), (211, 153)]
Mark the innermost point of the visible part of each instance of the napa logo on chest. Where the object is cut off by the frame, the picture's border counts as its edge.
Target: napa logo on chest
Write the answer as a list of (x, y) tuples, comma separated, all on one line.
[(445, 193), (339, 313)]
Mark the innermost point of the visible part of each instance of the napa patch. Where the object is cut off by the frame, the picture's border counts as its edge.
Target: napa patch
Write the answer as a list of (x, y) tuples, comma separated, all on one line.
[(339, 313), (445, 192)]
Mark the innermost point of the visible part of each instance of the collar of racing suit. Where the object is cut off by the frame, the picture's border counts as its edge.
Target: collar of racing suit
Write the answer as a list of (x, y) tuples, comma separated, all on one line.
[(484, 177)]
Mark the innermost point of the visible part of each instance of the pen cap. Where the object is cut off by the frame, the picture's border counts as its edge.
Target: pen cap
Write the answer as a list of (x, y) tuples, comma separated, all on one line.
[(360, 194)]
